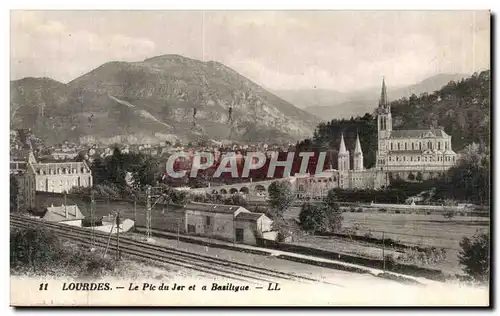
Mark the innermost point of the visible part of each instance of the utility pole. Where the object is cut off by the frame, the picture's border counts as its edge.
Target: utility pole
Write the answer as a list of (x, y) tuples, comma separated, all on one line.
[(178, 234), (109, 239), (92, 235), (234, 230), (118, 235), (383, 248), (148, 213), (135, 211)]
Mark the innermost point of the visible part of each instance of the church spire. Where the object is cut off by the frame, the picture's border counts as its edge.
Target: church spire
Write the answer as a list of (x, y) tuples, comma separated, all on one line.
[(343, 157), (342, 150), (358, 155), (357, 149), (383, 102)]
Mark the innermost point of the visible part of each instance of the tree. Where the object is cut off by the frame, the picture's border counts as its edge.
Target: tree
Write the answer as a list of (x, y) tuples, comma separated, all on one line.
[(80, 157), (236, 199), (312, 217), (40, 251), (471, 177), (333, 215), (14, 192), (281, 197), (320, 217), (411, 176), (474, 256), (331, 200), (332, 219), (419, 176)]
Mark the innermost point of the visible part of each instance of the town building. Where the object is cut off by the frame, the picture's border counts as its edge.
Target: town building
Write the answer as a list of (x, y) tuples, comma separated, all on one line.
[(227, 222), (60, 177), (49, 177)]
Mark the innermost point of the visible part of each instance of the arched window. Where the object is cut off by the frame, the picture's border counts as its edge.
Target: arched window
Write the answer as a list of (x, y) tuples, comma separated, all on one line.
[(391, 145), (429, 145), (412, 146), (439, 145), (420, 146), (406, 146), (398, 147)]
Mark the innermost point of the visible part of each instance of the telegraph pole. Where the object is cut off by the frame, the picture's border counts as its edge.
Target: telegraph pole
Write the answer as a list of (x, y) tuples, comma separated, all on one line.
[(178, 234), (118, 235), (92, 235), (383, 248), (148, 213), (135, 211)]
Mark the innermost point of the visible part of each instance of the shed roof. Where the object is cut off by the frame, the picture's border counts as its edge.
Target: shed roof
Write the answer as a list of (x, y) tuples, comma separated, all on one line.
[(249, 216), (214, 208), (58, 213)]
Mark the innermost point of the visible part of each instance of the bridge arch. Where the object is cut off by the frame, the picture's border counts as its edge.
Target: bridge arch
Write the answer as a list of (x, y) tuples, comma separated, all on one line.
[(260, 188), (244, 190), (223, 191), (233, 190)]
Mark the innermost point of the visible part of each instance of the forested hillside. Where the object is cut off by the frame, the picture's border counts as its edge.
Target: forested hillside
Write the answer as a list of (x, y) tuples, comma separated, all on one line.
[(462, 108)]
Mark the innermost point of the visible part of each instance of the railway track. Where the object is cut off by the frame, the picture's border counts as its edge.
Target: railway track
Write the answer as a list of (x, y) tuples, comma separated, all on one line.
[(201, 263)]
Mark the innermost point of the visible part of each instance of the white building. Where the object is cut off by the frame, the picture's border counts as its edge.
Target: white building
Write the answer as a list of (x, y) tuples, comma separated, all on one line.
[(404, 152)]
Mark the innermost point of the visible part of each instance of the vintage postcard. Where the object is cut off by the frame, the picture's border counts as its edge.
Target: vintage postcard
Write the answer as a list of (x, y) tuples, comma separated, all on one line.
[(250, 158)]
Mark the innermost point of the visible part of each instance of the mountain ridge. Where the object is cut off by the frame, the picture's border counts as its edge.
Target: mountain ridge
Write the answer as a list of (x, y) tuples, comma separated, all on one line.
[(330, 104), (172, 89)]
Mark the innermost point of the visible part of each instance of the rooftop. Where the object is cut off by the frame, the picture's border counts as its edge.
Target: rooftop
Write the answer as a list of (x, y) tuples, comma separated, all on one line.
[(418, 133), (58, 213), (248, 216), (215, 208)]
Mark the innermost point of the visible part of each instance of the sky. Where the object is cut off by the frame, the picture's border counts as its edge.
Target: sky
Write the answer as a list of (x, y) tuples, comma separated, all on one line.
[(336, 50)]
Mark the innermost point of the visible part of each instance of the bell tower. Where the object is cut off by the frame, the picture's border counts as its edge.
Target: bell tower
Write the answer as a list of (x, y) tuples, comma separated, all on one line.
[(384, 118)]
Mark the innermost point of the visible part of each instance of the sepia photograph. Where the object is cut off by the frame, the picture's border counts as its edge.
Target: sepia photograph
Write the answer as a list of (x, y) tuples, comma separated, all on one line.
[(250, 158)]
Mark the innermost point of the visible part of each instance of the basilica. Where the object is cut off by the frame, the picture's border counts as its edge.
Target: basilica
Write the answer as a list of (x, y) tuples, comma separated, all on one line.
[(404, 154), (409, 155)]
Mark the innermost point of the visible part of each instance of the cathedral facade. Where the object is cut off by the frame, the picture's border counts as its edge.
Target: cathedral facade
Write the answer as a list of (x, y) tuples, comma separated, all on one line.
[(411, 155), (404, 154)]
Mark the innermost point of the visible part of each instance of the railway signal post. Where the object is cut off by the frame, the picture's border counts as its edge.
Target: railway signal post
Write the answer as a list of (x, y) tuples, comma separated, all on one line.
[(149, 206)]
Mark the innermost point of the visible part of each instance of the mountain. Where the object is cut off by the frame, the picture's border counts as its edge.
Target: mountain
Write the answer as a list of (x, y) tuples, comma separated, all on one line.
[(304, 98), (330, 104), (155, 100)]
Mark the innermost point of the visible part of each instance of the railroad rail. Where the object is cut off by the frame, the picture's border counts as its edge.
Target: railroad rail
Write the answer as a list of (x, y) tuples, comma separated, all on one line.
[(139, 249)]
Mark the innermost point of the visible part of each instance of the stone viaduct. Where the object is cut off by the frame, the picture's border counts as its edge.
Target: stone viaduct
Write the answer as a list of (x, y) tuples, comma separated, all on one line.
[(246, 187)]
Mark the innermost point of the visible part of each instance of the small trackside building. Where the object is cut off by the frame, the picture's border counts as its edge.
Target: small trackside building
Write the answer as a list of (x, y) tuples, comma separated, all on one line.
[(63, 213), (226, 222), (251, 226)]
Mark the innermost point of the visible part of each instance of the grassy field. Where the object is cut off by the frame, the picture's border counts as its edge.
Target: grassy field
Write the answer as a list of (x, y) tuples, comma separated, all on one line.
[(410, 229), (417, 229)]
